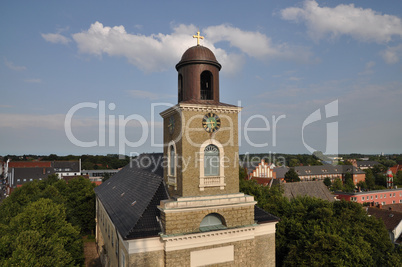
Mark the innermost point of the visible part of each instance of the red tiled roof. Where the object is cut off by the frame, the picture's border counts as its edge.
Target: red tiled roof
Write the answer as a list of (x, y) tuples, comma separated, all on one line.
[(396, 168), (29, 164)]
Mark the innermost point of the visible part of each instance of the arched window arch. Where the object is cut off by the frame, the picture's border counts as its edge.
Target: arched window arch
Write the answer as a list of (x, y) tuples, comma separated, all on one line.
[(212, 171), (180, 86), (212, 221), (172, 165), (211, 161), (206, 85)]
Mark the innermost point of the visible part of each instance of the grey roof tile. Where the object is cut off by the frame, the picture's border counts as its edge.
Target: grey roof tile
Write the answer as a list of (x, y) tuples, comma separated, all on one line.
[(130, 197)]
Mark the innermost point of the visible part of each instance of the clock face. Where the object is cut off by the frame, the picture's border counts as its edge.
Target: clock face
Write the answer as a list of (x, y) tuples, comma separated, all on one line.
[(171, 124), (211, 122)]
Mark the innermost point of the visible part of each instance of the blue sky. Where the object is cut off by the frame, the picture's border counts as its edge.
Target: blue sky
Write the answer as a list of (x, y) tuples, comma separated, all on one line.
[(280, 59)]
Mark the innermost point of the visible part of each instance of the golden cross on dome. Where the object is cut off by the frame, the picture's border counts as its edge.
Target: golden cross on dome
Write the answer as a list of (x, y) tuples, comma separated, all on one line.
[(198, 36)]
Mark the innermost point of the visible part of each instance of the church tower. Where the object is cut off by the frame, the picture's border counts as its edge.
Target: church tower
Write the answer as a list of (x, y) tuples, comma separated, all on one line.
[(207, 220), (200, 133)]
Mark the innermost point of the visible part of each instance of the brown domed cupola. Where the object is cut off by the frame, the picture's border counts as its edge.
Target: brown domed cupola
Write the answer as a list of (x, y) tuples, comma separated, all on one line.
[(198, 77)]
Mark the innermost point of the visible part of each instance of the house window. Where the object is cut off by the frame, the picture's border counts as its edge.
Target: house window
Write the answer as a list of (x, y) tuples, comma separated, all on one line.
[(18, 180), (362, 198), (25, 180), (206, 85), (393, 202), (376, 196), (400, 201), (211, 161), (383, 203), (371, 197)]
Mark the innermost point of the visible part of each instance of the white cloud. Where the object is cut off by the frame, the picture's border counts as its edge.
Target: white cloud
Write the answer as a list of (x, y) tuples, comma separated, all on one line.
[(255, 44), (11, 66), (148, 95), (158, 52), (55, 38), (391, 54), (24, 121), (368, 70), (361, 24), (33, 80)]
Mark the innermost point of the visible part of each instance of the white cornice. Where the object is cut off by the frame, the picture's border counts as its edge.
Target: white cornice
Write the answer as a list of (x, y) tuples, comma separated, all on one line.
[(188, 241), (210, 108), (199, 107)]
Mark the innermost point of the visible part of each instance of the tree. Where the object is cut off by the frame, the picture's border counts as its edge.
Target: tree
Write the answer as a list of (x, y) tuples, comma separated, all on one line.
[(327, 181), (380, 179), (105, 176), (362, 185), (40, 236), (242, 173), (398, 178), (349, 185), (337, 185), (291, 176), (294, 163), (314, 232), (80, 203), (370, 181)]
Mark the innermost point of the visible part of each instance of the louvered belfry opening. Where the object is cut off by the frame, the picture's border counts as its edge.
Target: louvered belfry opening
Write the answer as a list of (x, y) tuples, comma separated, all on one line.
[(206, 86)]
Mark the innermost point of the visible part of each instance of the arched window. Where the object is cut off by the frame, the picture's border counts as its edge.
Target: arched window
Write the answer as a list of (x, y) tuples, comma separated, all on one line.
[(211, 161), (180, 85), (206, 85), (172, 161), (212, 221)]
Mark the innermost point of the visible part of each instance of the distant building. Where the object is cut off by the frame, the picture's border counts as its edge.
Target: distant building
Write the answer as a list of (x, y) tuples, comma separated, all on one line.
[(315, 189), (19, 176), (364, 164), (383, 197), (320, 172), (20, 172), (262, 172), (395, 169), (97, 175), (392, 220), (67, 168)]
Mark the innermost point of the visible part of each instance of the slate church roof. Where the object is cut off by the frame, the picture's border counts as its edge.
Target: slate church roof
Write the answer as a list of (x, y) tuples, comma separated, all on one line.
[(309, 188), (131, 196)]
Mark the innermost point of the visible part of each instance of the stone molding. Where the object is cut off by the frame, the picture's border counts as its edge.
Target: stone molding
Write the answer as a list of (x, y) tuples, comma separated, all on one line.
[(178, 242), (143, 245), (201, 108), (206, 202)]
